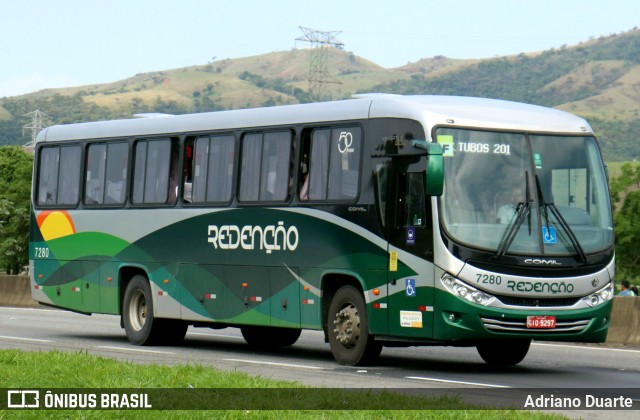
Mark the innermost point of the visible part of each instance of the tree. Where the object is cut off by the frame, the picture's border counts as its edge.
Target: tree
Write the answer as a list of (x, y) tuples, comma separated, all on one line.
[(14, 237), (625, 195), (15, 191)]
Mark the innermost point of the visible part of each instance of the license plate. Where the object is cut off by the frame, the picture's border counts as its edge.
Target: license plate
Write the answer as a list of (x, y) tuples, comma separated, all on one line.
[(541, 321)]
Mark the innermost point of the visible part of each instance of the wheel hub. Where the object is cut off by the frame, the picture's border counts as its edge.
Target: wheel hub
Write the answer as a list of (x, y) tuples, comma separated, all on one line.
[(138, 311), (347, 326)]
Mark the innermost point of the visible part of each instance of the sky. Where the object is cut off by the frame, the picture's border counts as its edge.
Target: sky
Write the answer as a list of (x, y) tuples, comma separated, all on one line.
[(63, 43)]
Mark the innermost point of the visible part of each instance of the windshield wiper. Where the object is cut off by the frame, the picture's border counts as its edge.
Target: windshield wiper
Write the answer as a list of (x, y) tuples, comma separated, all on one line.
[(561, 221), (523, 208)]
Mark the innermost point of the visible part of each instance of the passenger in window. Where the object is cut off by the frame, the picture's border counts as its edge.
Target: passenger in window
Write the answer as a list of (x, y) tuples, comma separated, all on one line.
[(304, 192), (304, 169), (173, 176)]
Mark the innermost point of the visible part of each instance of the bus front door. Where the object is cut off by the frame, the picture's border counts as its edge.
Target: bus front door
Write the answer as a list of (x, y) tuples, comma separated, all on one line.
[(410, 235)]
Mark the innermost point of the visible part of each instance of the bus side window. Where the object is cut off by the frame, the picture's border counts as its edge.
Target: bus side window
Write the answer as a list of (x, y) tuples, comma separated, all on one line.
[(116, 173), (213, 163), (174, 174), (344, 166), (304, 177), (106, 173), (95, 171), (250, 167), (59, 176), (334, 164), (187, 190), (200, 166), (319, 164), (153, 159), (48, 175), (276, 158), (265, 166)]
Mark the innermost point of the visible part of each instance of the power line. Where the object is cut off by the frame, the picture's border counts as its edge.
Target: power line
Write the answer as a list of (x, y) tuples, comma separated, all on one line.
[(319, 76)]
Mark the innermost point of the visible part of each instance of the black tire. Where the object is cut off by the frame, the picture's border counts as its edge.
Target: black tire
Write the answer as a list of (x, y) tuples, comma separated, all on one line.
[(348, 329), (270, 337), (140, 325), (503, 353)]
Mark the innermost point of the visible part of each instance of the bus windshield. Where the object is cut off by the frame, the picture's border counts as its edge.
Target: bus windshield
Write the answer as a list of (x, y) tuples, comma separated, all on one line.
[(526, 194)]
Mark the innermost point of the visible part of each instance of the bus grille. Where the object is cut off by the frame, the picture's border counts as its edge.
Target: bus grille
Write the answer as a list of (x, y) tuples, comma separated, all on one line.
[(538, 302), (515, 325)]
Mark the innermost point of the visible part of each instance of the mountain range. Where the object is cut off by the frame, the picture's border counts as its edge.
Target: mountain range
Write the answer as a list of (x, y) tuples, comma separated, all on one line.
[(598, 79)]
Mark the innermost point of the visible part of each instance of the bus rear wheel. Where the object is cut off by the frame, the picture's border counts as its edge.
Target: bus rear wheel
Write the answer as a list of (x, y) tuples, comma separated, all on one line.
[(141, 326), (269, 337), (503, 353), (348, 329)]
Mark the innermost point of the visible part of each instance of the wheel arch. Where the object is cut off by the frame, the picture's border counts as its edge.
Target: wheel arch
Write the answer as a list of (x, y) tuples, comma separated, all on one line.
[(125, 274)]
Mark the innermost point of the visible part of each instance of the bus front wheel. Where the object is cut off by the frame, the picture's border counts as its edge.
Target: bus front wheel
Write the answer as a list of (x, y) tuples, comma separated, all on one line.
[(503, 353), (348, 329), (141, 326)]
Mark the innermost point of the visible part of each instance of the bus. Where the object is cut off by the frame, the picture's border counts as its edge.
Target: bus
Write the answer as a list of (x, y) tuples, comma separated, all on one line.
[(381, 220)]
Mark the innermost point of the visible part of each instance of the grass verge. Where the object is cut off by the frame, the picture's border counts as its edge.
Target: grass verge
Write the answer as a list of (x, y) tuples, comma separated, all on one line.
[(58, 370)]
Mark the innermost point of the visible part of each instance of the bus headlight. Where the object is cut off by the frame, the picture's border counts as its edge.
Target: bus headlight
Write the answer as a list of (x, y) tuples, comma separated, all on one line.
[(466, 292), (599, 297)]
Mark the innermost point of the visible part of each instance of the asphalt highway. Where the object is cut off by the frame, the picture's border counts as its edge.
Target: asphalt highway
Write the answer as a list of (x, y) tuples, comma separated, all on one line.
[(548, 367)]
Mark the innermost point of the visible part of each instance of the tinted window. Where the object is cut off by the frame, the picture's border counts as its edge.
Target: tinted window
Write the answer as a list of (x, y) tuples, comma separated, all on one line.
[(334, 164), (48, 175), (276, 157), (319, 165), (59, 176), (116, 183), (95, 170), (154, 163), (345, 163), (265, 167), (250, 168), (212, 180), (106, 173)]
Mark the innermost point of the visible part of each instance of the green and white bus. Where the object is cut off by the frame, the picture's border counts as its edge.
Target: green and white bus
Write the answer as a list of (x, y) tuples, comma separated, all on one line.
[(382, 220)]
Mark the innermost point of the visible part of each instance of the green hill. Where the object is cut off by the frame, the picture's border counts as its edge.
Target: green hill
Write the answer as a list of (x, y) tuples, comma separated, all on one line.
[(598, 79)]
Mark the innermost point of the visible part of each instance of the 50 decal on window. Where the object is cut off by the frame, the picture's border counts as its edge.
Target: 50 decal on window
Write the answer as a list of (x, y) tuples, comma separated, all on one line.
[(345, 141)]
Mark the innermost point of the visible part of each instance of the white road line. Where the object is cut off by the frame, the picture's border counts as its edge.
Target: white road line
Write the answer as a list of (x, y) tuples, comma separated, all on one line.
[(257, 362), (419, 378), (134, 350), (37, 340), (585, 347)]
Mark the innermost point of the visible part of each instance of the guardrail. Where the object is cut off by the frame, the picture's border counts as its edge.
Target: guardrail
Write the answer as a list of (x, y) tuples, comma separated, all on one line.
[(624, 329)]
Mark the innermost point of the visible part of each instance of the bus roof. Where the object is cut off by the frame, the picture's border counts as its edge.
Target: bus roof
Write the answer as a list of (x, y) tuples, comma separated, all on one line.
[(429, 110)]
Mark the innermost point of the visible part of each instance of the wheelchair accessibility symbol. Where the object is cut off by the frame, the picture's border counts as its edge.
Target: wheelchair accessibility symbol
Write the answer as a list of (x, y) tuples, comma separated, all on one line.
[(411, 287), (549, 235)]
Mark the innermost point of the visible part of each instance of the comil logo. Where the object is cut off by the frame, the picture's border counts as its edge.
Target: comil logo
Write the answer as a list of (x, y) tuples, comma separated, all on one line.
[(538, 261), (23, 399)]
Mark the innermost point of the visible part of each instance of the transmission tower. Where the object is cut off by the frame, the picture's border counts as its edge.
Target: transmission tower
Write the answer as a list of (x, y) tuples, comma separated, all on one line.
[(319, 77), (38, 119)]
